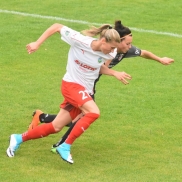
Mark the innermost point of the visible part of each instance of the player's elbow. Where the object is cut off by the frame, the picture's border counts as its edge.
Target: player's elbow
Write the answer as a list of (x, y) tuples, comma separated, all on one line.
[(57, 26)]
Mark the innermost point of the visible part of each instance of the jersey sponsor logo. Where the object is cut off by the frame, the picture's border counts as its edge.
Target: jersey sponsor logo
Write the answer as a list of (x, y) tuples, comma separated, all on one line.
[(137, 51), (85, 66)]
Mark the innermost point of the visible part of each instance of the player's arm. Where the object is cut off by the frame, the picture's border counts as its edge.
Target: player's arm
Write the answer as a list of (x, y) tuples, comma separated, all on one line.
[(108, 62), (122, 76), (149, 55), (32, 47)]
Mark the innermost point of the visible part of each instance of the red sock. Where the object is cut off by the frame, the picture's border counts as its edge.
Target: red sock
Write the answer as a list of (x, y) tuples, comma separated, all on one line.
[(81, 126), (39, 132)]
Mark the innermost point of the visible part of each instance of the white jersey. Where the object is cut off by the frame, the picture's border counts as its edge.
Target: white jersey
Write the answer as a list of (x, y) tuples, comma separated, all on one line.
[(83, 64)]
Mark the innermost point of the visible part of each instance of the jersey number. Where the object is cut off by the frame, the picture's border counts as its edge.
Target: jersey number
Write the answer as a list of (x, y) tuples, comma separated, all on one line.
[(85, 94)]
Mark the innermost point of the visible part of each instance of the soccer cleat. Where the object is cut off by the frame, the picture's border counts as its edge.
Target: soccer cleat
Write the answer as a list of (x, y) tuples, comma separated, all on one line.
[(64, 151), (53, 150), (35, 121), (14, 143), (54, 146)]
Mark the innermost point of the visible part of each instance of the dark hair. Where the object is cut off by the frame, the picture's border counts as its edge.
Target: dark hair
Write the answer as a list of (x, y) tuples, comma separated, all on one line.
[(121, 29)]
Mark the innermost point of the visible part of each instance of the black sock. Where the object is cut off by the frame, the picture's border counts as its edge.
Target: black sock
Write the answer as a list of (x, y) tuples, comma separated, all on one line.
[(64, 137), (46, 118)]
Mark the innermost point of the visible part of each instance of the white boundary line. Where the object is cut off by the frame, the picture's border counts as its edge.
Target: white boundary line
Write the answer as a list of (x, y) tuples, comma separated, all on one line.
[(85, 22)]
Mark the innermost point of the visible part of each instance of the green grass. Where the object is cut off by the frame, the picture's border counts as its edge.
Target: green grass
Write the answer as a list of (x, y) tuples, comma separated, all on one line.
[(138, 136)]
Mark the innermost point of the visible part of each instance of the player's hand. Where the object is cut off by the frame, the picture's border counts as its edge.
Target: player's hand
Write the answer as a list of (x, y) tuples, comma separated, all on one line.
[(123, 77), (166, 60), (32, 47)]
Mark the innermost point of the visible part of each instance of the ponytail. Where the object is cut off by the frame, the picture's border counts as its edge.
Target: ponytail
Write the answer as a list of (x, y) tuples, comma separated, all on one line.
[(105, 31)]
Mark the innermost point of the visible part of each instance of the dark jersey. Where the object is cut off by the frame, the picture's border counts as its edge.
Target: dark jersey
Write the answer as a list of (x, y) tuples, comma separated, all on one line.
[(133, 52)]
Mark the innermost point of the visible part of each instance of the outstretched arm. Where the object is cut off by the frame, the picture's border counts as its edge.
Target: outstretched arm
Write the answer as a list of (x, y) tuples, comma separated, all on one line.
[(122, 76), (150, 55), (32, 47)]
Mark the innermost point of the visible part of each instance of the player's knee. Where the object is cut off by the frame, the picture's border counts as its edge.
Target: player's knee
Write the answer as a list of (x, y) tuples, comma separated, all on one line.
[(96, 115), (94, 110), (93, 116), (57, 127), (90, 107)]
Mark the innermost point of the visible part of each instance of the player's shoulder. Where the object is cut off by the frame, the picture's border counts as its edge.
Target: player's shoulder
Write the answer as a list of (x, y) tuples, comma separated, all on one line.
[(134, 51), (67, 31)]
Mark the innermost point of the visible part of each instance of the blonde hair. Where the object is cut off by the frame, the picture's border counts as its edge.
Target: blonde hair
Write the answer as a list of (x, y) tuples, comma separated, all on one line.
[(105, 31)]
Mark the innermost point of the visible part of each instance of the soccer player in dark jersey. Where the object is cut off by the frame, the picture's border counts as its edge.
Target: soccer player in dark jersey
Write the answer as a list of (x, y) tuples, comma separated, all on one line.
[(123, 52)]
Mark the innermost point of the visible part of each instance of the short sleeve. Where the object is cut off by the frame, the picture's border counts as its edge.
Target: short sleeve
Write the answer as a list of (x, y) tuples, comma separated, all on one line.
[(133, 52), (67, 35)]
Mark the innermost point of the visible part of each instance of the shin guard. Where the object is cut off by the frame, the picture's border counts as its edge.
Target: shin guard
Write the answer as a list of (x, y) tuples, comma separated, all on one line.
[(81, 126)]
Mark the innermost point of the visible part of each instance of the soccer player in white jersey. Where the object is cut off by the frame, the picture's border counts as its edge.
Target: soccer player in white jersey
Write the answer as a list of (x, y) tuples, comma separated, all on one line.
[(85, 61), (125, 50)]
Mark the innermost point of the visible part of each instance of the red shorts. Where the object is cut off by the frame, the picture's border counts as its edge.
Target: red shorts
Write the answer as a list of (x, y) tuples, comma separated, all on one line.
[(74, 97)]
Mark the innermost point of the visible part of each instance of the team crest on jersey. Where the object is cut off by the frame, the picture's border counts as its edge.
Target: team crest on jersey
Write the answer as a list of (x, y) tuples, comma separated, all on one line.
[(100, 60), (67, 33)]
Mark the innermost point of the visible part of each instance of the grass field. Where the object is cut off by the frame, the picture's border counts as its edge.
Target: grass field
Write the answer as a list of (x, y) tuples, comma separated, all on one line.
[(138, 136)]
